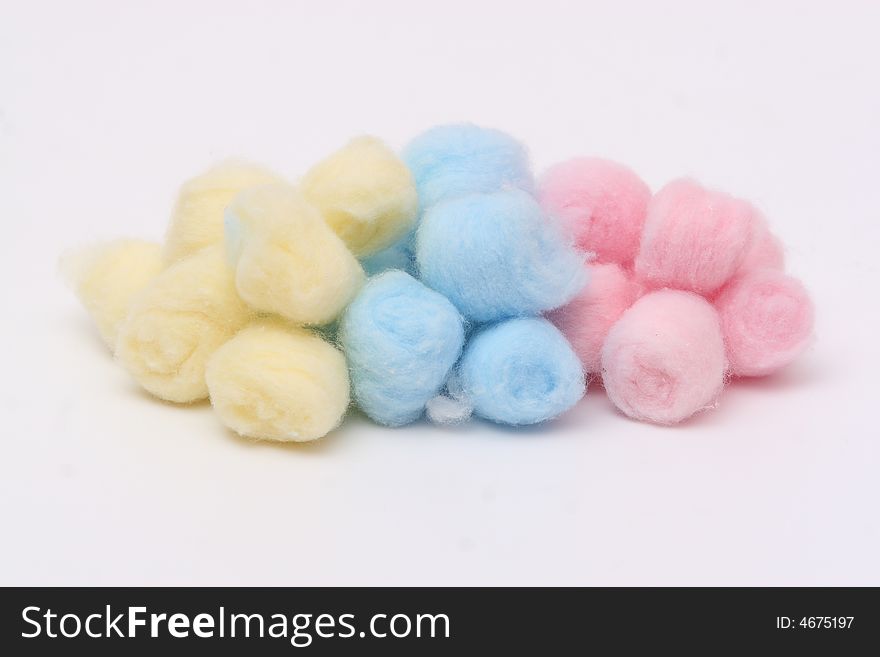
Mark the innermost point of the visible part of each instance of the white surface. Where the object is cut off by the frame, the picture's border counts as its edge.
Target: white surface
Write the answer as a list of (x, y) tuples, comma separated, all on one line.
[(105, 108)]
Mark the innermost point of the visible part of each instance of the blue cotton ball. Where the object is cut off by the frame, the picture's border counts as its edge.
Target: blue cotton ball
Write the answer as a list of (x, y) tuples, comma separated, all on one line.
[(401, 339), (522, 371), (495, 256), (453, 160)]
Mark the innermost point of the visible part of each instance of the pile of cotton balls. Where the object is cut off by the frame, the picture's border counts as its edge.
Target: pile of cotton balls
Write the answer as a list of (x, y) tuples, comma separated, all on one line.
[(446, 283)]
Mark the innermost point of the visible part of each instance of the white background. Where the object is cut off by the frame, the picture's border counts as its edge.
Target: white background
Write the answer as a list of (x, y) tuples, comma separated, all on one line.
[(106, 107)]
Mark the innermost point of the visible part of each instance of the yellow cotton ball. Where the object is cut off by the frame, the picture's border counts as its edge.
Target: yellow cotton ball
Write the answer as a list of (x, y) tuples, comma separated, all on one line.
[(178, 322), (197, 220), (287, 260), (366, 194), (277, 382), (107, 276)]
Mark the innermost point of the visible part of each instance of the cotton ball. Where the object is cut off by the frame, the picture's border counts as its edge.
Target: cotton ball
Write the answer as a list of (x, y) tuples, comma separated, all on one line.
[(197, 220), (695, 239), (765, 251), (277, 382), (106, 277), (453, 160), (286, 259), (601, 203), (521, 371), (767, 321), (494, 256), (366, 194), (664, 358), (586, 320), (401, 340), (177, 322)]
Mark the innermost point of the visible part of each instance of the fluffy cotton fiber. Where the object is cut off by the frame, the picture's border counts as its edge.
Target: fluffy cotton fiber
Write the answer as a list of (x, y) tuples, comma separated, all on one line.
[(398, 256), (520, 371), (586, 320), (695, 238), (453, 160), (494, 256), (602, 205), (664, 358), (366, 194), (446, 409), (276, 382), (765, 251), (767, 321), (401, 340), (107, 276), (177, 322), (287, 260), (197, 220)]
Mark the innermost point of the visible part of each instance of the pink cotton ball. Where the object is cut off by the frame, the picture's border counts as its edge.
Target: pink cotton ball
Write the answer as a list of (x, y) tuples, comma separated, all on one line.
[(767, 321), (586, 320), (765, 251), (664, 358), (601, 203), (695, 238)]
